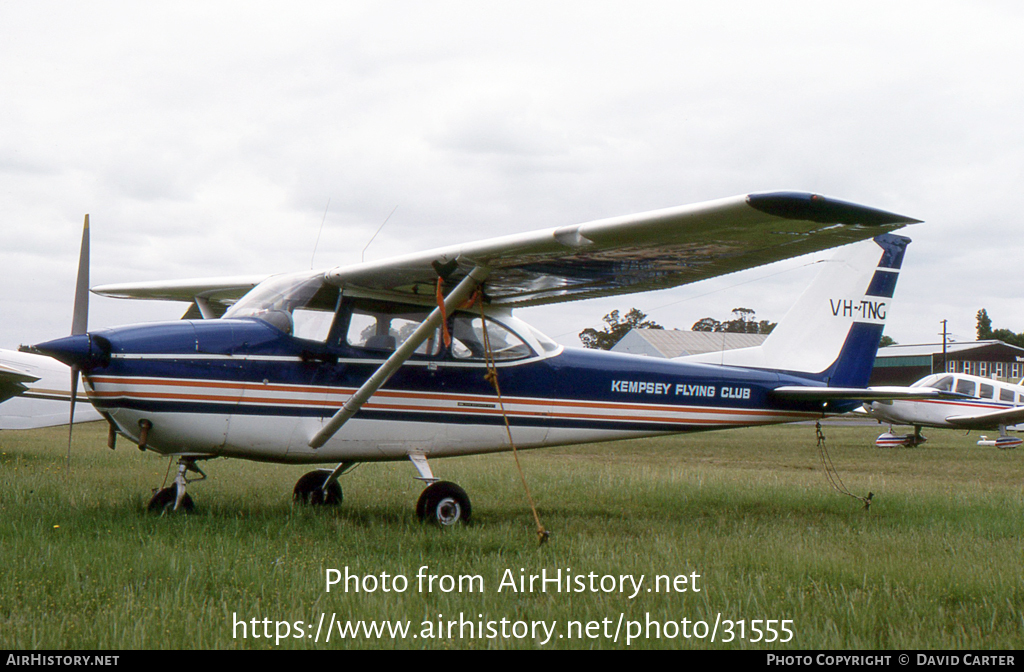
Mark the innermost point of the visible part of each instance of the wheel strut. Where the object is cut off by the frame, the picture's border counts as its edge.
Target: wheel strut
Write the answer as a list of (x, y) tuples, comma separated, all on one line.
[(175, 498)]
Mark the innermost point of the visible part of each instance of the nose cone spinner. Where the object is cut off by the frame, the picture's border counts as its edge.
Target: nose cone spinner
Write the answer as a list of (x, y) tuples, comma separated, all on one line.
[(83, 351)]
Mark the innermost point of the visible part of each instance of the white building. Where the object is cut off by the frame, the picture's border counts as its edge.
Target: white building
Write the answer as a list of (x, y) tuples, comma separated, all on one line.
[(676, 343)]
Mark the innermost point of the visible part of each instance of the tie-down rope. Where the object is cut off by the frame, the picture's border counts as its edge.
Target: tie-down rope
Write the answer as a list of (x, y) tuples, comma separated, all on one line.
[(830, 470), (492, 377)]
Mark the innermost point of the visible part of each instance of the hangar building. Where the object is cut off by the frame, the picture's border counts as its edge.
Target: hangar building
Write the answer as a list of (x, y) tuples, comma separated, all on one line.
[(903, 364)]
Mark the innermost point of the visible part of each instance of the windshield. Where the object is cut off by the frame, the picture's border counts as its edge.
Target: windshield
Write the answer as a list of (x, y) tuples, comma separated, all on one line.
[(300, 304)]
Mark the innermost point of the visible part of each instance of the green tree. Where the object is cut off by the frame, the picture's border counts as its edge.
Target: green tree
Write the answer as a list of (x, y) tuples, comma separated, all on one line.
[(886, 341), (616, 328), (986, 332), (984, 325), (744, 322)]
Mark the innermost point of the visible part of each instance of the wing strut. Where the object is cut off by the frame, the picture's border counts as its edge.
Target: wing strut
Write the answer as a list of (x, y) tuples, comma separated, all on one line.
[(462, 292)]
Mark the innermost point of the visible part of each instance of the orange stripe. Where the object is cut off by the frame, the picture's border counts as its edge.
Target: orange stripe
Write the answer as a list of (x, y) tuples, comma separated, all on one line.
[(315, 390)]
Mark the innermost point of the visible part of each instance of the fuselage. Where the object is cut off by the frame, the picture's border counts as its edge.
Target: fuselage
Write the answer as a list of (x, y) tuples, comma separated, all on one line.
[(987, 395), (245, 388)]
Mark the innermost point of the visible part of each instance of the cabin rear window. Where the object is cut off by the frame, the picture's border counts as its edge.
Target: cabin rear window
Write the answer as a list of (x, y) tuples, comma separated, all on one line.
[(383, 327)]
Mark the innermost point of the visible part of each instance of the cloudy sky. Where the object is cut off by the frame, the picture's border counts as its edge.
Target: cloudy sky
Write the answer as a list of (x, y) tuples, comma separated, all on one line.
[(208, 138)]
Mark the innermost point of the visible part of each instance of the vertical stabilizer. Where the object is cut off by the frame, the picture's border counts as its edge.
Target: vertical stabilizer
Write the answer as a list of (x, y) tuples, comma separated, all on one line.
[(833, 330)]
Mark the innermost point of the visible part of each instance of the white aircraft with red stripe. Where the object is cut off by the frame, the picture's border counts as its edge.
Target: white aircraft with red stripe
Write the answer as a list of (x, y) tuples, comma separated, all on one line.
[(983, 404), (35, 392), (398, 359)]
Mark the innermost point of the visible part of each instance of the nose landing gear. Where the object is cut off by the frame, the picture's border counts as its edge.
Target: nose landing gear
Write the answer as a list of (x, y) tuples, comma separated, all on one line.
[(318, 488), (174, 498)]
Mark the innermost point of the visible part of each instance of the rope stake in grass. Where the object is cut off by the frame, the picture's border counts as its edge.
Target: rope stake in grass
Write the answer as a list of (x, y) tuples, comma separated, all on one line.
[(830, 470), (492, 377)]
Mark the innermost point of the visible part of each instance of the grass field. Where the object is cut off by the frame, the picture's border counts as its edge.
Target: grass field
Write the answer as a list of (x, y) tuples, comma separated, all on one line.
[(935, 563)]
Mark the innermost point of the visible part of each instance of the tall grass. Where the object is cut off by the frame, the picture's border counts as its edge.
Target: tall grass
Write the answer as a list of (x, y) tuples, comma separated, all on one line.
[(935, 563)]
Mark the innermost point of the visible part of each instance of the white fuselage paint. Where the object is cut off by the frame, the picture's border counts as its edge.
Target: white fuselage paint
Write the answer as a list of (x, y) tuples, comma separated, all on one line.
[(285, 438)]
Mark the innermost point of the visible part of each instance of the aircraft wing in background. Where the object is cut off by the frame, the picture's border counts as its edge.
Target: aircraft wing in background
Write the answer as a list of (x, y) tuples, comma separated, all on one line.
[(988, 420)]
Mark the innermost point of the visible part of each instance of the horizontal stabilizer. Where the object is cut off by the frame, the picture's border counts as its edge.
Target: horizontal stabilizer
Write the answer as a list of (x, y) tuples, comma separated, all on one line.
[(882, 393), (14, 375)]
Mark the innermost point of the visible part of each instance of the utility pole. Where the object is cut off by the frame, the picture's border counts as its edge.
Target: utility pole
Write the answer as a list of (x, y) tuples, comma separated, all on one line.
[(944, 339)]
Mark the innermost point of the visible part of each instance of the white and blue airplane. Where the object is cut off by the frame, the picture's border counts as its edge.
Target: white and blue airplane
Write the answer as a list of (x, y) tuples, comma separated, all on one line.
[(35, 392), (386, 360), (984, 404)]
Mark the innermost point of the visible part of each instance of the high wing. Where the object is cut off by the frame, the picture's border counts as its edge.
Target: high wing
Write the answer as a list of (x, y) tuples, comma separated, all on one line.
[(647, 251), (990, 420), (641, 252), (210, 296)]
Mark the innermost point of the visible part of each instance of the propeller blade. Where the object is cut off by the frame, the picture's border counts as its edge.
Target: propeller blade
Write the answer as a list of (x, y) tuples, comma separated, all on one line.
[(80, 320), (71, 417), (79, 325)]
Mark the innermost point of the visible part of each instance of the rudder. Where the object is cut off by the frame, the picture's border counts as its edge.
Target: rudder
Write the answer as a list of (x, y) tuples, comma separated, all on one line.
[(833, 331)]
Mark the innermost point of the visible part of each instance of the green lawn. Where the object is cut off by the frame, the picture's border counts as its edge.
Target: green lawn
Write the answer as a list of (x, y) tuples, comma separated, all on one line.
[(935, 563)]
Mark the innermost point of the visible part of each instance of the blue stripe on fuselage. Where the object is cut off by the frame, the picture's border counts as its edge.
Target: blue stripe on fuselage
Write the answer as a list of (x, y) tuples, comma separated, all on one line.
[(578, 375)]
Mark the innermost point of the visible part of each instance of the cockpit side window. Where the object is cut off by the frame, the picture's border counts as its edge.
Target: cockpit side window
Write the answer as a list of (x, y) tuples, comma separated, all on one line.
[(468, 340), (945, 384), (964, 386)]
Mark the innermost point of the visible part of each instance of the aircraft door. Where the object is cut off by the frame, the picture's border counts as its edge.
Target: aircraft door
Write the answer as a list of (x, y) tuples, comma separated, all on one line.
[(365, 334), (481, 425)]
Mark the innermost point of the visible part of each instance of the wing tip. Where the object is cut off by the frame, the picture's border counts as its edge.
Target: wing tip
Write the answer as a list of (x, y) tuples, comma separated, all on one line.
[(823, 210)]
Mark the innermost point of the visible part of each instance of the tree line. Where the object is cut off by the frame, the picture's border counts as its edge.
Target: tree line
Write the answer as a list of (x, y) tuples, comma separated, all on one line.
[(616, 326), (986, 332)]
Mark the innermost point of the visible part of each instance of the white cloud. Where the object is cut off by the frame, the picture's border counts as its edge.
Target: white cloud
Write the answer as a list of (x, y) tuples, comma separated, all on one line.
[(207, 138)]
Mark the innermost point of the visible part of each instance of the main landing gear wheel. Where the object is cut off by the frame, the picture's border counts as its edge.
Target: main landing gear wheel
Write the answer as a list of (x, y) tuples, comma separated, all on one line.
[(310, 489), (444, 504), (164, 502)]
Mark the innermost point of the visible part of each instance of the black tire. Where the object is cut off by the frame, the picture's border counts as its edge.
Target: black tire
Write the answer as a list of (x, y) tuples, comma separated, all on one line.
[(310, 490), (444, 504), (163, 502)]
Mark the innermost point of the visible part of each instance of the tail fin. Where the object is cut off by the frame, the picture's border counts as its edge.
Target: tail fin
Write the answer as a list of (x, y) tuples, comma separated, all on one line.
[(833, 330)]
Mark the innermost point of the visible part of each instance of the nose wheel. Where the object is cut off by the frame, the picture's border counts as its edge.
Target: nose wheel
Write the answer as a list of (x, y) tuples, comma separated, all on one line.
[(318, 488), (175, 499)]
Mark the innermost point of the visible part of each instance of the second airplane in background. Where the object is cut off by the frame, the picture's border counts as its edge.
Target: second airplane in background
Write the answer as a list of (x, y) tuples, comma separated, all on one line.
[(984, 404)]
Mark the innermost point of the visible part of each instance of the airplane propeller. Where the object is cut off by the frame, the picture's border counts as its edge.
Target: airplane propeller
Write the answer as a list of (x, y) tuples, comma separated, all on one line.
[(79, 325)]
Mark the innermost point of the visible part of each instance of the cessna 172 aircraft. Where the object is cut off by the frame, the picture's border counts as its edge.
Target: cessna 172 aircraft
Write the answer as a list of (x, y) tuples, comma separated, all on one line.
[(985, 404), (379, 361)]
